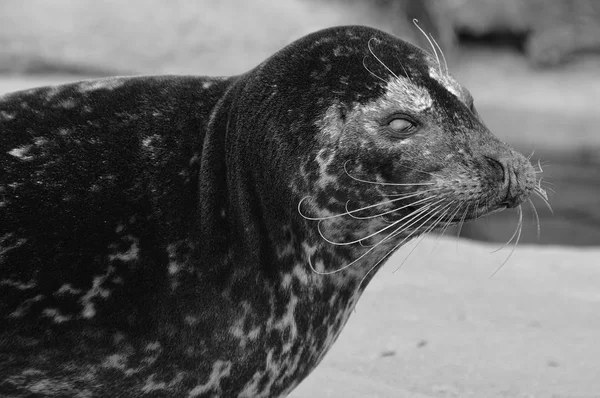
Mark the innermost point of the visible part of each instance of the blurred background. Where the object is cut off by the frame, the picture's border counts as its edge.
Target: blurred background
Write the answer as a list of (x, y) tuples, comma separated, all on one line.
[(531, 65)]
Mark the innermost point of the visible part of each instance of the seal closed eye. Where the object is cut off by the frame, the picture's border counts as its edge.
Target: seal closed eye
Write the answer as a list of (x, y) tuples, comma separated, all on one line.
[(197, 236)]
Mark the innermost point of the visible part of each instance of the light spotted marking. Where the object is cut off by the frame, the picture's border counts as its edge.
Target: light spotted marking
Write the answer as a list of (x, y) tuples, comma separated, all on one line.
[(251, 388), (237, 330), (448, 82), (25, 306), (18, 284), (324, 158), (151, 386), (21, 152), (154, 346), (191, 320), (132, 254), (334, 327), (89, 309), (55, 315), (37, 383), (6, 116), (176, 265), (110, 83), (119, 361), (68, 103), (148, 141), (154, 350), (288, 320), (221, 369), (40, 141), (309, 252), (401, 92), (52, 92), (67, 289), (330, 124), (206, 85)]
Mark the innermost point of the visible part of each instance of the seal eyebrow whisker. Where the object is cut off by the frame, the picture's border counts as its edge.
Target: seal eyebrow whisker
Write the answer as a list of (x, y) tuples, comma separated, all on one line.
[(416, 23), (442, 54), (531, 155), (404, 69), (373, 73), (377, 58), (374, 233), (383, 183), (518, 235)]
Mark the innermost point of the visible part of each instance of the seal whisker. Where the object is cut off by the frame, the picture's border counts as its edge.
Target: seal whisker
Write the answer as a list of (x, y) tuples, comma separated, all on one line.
[(531, 154), (384, 183), (371, 72), (422, 214), (424, 234), (476, 207), (542, 195), (406, 226), (537, 218), (448, 222), (392, 222), (462, 221), (518, 234), (404, 195), (431, 215), (428, 210), (404, 69), (416, 23), (391, 235), (421, 171), (349, 212), (420, 201), (377, 58), (520, 221), (421, 209)]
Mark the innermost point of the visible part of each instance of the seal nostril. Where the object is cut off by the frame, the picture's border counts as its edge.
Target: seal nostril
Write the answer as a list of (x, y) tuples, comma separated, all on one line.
[(499, 166)]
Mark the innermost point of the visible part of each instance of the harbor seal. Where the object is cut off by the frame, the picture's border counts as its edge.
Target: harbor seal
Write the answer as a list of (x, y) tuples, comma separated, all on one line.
[(201, 237)]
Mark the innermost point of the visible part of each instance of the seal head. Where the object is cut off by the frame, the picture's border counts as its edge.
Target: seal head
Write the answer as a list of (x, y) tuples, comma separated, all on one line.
[(201, 237)]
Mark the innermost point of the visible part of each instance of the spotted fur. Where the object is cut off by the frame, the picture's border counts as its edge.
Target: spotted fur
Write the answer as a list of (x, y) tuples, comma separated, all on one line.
[(159, 236)]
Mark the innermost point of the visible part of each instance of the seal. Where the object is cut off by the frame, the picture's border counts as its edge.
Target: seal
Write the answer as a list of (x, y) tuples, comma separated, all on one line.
[(202, 237)]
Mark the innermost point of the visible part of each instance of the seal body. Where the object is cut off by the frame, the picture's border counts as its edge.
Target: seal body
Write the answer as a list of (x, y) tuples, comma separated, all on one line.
[(201, 237)]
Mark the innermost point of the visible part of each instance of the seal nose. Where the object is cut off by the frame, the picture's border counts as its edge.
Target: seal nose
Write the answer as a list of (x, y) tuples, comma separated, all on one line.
[(516, 179)]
